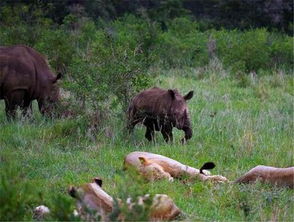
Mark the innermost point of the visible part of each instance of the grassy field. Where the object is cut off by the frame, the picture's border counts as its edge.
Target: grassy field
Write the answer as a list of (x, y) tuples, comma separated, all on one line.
[(237, 122)]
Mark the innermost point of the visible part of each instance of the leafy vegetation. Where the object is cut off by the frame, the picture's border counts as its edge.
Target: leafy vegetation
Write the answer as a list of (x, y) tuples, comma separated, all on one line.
[(235, 127), (106, 63), (242, 111)]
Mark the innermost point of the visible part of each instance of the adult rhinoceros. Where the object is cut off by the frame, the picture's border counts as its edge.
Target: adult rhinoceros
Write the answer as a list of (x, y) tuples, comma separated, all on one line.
[(25, 76)]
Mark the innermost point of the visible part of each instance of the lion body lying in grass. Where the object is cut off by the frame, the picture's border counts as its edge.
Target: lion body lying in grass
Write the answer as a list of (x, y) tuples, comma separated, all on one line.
[(92, 198), (153, 167), (282, 177)]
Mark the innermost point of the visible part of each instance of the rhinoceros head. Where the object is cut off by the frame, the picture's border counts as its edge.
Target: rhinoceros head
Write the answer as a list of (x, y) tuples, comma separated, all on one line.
[(179, 109), (50, 96), (179, 112)]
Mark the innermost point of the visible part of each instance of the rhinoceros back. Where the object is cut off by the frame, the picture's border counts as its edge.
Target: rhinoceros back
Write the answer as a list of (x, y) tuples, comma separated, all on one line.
[(22, 67), (153, 100), (28, 56)]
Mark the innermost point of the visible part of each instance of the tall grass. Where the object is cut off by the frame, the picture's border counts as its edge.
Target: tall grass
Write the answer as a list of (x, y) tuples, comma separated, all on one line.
[(242, 114), (236, 127)]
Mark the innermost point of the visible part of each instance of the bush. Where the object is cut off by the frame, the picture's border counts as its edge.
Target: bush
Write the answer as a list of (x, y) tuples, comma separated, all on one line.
[(281, 50), (132, 187), (182, 45), (62, 209), (110, 70), (16, 195), (243, 51), (57, 45), (138, 33), (253, 50), (22, 24)]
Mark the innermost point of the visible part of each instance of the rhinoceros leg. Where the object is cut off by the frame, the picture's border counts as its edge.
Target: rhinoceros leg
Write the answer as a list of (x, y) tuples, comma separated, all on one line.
[(167, 133), (149, 135), (10, 110), (188, 134), (27, 108), (12, 101), (149, 123), (42, 106)]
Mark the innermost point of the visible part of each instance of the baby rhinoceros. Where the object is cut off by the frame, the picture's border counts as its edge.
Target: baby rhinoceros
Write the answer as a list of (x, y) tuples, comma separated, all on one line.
[(160, 110)]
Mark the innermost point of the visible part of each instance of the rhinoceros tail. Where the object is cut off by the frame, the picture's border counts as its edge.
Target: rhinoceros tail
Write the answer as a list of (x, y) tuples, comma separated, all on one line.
[(207, 166)]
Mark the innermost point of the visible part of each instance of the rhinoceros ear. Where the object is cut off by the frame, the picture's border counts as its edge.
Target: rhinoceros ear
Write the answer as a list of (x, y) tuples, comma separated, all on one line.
[(172, 93), (98, 181), (189, 95), (59, 76)]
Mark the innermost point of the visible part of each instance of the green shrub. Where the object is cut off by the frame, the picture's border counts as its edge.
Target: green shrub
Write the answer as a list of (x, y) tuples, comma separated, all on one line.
[(132, 187), (16, 195), (281, 50), (182, 45), (109, 71), (140, 34), (253, 50), (62, 208), (57, 45), (22, 24), (243, 51)]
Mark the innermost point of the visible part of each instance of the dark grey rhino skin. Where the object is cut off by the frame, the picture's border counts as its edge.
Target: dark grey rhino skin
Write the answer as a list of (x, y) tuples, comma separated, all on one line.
[(25, 76), (160, 110)]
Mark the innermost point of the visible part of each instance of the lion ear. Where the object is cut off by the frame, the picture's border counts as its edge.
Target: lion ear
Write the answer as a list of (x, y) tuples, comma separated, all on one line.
[(98, 181), (72, 191), (143, 160)]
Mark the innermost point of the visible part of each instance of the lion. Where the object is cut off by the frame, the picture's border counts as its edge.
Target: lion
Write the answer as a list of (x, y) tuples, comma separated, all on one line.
[(91, 197), (281, 177), (155, 167)]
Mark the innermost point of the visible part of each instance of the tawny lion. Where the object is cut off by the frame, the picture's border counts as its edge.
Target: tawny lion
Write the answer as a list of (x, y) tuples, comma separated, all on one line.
[(91, 196), (154, 166), (283, 177)]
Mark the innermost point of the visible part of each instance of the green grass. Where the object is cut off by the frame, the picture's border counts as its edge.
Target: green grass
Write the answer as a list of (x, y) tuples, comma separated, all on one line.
[(236, 127)]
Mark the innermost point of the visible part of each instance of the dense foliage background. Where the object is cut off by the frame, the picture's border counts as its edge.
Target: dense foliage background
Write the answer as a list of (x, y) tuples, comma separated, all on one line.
[(274, 14), (105, 48), (237, 55)]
